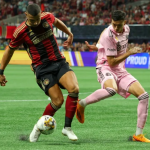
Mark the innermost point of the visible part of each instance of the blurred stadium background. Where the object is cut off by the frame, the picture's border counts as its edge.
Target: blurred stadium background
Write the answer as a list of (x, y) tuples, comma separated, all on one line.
[(22, 102)]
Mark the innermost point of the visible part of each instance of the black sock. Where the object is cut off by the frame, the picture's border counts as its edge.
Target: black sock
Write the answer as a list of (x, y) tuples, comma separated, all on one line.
[(68, 122)]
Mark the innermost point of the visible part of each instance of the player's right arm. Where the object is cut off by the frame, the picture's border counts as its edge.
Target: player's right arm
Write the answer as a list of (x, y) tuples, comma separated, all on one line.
[(16, 40), (93, 47), (5, 60)]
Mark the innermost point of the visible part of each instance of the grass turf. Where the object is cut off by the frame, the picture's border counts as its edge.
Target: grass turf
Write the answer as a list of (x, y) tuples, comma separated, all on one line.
[(108, 123)]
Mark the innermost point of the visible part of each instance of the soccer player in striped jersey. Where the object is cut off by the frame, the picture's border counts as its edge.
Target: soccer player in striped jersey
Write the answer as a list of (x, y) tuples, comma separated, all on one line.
[(50, 66), (112, 75)]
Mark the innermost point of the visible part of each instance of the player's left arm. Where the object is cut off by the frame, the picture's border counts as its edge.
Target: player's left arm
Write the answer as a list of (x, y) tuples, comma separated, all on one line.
[(95, 47), (112, 60), (60, 25)]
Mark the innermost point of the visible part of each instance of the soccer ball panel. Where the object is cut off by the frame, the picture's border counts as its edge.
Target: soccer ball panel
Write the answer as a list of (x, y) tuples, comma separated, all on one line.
[(46, 124)]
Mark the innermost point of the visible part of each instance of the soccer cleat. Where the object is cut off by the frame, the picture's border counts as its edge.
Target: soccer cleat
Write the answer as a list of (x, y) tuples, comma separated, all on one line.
[(140, 138), (68, 132), (34, 135), (80, 113)]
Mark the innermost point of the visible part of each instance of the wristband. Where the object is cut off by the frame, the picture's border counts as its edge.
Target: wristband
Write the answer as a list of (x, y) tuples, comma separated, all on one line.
[(1, 72), (98, 46)]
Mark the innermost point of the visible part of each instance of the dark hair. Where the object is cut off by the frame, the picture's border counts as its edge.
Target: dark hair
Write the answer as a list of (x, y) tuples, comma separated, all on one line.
[(118, 15), (33, 9)]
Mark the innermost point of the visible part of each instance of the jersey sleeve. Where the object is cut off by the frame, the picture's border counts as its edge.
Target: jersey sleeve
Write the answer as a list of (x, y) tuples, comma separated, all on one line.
[(109, 46), (16, 40), (51, 17)]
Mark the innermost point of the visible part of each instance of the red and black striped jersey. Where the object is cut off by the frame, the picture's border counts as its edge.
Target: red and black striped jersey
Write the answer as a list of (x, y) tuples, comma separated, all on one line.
[(40, 42)]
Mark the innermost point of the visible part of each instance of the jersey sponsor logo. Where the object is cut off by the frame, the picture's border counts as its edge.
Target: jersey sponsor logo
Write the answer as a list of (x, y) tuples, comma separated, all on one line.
[(43, 36), (46, 82), (111, 49), (45, 25)]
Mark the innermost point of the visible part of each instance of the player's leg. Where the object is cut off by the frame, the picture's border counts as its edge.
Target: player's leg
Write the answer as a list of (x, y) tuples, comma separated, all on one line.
[(48, 83), (142, 110), (56, 96), (70, 83), (108, 82), (56, 100)]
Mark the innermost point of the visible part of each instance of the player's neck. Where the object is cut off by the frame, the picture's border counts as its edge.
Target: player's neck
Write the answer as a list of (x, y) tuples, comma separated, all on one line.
[(26, 22)]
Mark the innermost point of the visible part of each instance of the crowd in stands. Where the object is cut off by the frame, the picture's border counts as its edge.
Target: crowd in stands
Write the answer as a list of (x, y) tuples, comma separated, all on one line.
[(78, 46), (80, 12)]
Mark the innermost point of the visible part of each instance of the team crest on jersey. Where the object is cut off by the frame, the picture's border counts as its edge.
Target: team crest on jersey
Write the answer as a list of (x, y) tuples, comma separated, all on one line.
[(118, 46), (108, 74), (45, 25), (46, 82)]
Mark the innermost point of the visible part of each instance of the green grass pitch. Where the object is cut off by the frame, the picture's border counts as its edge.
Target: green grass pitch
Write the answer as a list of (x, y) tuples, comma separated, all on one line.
[(108, 123)]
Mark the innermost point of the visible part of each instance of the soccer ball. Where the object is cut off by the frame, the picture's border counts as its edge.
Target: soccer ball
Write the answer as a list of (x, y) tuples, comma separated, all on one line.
[(46, 124)]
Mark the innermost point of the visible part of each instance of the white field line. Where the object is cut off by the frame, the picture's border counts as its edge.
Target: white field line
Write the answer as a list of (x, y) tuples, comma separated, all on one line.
[(1, 101)]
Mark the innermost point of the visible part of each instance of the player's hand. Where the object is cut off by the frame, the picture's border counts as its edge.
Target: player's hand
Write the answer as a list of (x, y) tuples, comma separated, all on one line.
[(135, 50), (92, 47), (69, 40), (3, 80)]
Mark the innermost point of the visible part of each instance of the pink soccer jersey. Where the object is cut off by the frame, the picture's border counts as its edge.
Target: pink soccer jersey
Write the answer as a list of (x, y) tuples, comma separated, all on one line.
[(112, 44)]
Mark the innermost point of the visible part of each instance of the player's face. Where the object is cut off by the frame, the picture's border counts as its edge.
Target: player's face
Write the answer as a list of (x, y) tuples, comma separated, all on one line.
[(33, 21), (118, 25)]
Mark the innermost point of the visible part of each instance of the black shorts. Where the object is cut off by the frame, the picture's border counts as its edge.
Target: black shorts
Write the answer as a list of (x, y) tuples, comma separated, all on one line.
[(47, 75)]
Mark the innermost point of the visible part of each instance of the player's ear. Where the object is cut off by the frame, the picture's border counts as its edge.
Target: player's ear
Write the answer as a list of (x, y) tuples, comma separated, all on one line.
[(25, 13), (125, 21)]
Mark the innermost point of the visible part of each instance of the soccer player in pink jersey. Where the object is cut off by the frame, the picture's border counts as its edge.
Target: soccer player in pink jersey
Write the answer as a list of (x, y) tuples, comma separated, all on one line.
[(112, 75)]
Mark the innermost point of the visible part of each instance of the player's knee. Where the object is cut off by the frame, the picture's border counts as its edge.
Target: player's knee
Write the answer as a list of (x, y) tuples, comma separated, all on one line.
[(74, 92), (74, 89), (111, 91), (58, 101)]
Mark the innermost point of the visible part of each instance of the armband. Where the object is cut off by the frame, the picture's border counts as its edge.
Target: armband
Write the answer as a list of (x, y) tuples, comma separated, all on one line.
[(98, 46), (1, 72)]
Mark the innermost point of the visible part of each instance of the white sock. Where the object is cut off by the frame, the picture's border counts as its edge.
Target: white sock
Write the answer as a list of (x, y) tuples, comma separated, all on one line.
[(139, 131), (82, 102)]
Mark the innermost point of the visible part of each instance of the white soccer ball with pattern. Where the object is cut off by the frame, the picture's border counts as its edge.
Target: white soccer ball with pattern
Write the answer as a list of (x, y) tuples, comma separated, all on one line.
[(46, 124)]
